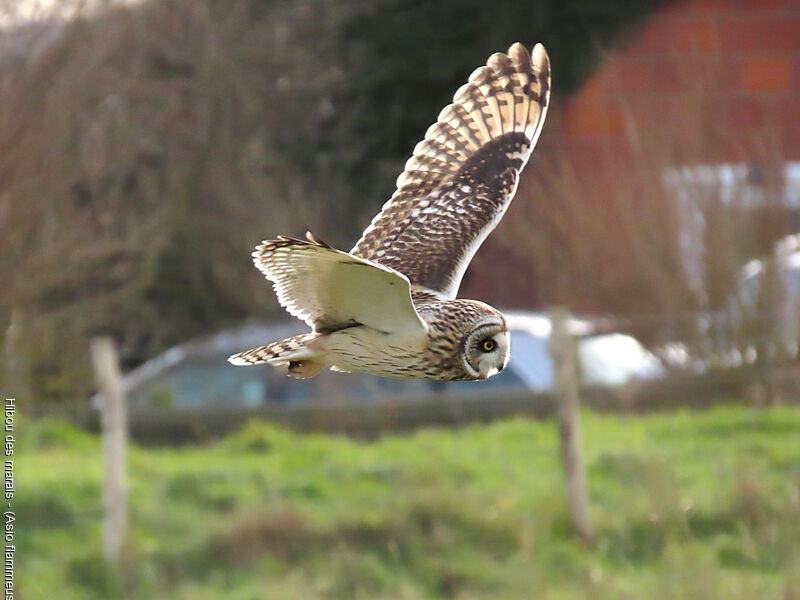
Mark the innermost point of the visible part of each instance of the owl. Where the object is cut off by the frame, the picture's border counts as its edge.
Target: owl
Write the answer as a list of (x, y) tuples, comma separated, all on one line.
[(388, 307)]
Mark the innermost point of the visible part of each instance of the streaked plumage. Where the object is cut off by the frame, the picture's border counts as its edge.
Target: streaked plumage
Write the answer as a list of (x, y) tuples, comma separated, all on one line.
[(389, 306)]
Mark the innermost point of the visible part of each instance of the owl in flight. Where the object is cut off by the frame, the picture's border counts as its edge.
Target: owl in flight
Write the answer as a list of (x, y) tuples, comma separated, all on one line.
[(389, 306)]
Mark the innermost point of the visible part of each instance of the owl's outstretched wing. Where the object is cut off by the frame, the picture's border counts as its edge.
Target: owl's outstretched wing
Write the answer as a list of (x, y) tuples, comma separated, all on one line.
[(330, 289), (462, 176)]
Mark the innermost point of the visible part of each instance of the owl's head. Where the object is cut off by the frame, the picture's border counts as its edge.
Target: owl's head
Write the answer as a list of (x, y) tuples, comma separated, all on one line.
[(486, 348)]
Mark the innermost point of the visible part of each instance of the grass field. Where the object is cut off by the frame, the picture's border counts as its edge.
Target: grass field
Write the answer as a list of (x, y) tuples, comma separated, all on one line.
[(703, 505)]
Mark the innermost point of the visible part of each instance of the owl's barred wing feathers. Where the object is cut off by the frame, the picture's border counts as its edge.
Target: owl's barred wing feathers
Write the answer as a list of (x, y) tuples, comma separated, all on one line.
[(462, 176), (330, 289)]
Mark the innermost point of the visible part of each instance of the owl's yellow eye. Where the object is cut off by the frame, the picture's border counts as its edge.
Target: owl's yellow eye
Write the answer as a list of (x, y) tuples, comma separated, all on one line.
[(488, 345)]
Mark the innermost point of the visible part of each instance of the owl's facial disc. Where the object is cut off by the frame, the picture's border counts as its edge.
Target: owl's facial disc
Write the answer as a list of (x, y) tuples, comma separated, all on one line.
[(487, 349)]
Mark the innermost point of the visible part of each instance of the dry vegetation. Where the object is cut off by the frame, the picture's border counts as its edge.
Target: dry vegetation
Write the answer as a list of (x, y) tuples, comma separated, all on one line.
[(140, 153)]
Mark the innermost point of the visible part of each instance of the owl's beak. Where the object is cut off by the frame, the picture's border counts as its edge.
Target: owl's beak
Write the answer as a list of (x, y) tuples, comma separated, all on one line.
[(491, 372)]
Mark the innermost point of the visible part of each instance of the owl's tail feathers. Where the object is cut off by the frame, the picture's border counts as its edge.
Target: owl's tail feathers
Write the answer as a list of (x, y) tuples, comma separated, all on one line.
[(298, 352)]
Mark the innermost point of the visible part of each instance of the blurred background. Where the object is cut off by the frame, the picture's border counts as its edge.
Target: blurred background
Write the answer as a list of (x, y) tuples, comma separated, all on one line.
[(147, 145)]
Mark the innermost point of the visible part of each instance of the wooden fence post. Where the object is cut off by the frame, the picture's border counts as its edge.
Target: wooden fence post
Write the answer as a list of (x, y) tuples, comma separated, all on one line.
[(114, 432), (563, 350)]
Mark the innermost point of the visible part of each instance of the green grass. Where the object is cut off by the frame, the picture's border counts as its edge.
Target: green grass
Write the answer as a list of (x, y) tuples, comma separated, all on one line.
[(703, 505)]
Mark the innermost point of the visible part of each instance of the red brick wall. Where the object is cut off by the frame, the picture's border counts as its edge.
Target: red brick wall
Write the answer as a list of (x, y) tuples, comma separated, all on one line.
[(733, 64)]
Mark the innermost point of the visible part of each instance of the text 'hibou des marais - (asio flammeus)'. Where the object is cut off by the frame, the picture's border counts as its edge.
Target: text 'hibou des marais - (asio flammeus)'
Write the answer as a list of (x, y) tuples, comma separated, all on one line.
[(388, 307)]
